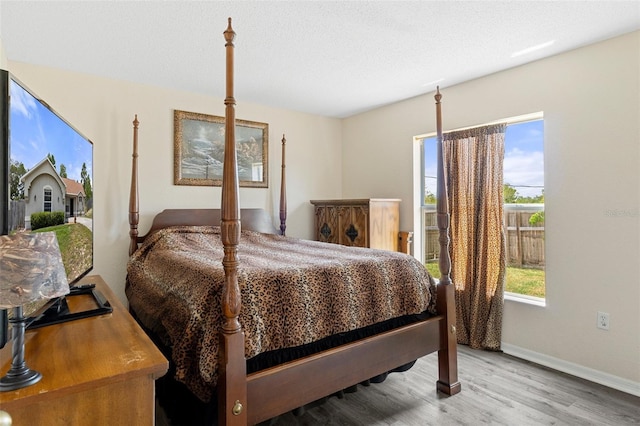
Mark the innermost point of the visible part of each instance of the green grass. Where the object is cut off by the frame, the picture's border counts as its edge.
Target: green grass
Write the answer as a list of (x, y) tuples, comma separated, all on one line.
[(526, 281), (75, 241), (433, 269)]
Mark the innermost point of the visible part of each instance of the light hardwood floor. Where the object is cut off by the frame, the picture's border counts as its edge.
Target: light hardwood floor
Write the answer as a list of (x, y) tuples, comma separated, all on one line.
[(497, 389)]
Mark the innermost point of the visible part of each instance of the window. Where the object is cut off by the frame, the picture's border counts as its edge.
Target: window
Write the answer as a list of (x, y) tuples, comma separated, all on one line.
[(523, 206), (47, 200)]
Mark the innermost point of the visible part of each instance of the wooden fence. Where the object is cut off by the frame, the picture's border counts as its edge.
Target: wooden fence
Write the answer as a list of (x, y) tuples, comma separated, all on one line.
[(524, 241), (16, 214), (431, 243)]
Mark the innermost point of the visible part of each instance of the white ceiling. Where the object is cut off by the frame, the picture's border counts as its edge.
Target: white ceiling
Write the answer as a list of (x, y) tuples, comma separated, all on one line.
[(333, 58)]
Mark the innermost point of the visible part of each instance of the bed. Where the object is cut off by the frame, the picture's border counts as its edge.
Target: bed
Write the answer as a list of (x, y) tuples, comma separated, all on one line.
[(259, 324)]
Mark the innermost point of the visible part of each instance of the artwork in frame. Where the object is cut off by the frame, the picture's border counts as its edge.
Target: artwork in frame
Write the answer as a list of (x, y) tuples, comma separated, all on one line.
[(199, 150)]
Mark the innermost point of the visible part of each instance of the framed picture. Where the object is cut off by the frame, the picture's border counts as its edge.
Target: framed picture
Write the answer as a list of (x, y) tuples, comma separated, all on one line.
[(199, 150)]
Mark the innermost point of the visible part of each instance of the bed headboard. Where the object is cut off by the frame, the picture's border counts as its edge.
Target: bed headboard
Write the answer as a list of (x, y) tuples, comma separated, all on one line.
[(257, 220)]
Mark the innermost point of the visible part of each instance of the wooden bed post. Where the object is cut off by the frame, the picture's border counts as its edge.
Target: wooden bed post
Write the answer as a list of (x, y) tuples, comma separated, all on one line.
[(134, 215), (232, 386), (448, 356), (283, 192)]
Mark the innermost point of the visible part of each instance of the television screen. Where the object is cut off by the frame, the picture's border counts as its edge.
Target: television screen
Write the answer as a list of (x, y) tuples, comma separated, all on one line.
[(47, 177)]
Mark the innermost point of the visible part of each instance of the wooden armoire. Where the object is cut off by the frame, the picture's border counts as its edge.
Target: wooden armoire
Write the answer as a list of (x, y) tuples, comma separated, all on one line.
[(371, 222)]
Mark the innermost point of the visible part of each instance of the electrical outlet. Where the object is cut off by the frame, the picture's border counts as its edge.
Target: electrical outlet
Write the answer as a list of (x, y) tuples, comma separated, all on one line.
[(603, 320)]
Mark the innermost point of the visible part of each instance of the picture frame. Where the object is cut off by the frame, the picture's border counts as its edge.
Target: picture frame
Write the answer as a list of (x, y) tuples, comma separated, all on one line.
[(199, 150)]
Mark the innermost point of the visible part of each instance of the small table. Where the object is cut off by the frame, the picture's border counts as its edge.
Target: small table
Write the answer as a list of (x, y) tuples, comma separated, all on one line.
[(97, 370)]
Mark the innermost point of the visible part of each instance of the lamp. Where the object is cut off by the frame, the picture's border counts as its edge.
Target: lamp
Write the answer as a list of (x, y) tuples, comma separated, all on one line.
[(31, 272)]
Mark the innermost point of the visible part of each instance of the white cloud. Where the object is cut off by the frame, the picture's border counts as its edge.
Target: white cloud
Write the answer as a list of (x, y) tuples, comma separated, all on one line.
[(21, 100), (524, 168)]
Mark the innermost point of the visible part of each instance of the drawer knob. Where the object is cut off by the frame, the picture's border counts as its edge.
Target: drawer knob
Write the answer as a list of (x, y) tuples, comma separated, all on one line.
[(237, 408), (5, 418)]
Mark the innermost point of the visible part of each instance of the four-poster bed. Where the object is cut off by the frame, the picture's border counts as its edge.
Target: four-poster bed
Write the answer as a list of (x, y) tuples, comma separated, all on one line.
[(333, 350)]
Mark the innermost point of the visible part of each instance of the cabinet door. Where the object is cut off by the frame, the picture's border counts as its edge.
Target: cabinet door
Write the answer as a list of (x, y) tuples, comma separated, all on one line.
[(354, 224), (326, 224)]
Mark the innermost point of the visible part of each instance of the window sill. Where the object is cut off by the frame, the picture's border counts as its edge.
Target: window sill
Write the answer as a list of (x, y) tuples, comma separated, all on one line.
[(529, 300), (520, 298)]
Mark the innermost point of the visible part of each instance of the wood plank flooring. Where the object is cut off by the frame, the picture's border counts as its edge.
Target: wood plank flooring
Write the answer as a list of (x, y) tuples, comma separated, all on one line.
[(497, 389)]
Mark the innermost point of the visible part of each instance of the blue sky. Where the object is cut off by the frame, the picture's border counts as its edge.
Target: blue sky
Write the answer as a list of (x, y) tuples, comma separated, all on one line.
[(523, 158), (35, 131)]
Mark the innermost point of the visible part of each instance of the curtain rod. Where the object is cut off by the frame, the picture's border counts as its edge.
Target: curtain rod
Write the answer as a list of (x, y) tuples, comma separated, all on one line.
[(511, 120)]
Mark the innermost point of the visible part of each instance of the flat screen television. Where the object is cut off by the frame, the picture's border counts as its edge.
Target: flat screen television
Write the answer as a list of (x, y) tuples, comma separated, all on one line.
[(46, 176)]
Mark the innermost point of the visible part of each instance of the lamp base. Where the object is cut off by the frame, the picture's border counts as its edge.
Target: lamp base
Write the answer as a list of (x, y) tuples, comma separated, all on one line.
[(19, 375), (19, 379)]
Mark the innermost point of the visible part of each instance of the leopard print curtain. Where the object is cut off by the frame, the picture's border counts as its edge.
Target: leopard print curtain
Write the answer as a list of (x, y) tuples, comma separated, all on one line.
[(473, 168)]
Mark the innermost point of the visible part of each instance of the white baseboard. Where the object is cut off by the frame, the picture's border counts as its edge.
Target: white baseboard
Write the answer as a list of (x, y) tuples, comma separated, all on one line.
[(606, 379)]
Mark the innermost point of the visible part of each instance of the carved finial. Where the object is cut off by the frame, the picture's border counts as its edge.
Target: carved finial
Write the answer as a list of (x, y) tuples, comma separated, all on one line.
[(135, 121), (438, 96), (229, 34)]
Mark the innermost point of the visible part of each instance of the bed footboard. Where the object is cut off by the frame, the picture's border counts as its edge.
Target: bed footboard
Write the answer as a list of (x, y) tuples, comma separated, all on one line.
[(306, 380)]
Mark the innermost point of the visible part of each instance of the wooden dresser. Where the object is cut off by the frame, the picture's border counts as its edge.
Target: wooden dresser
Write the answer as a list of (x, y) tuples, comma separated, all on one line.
[(95, 371), (371, 222)]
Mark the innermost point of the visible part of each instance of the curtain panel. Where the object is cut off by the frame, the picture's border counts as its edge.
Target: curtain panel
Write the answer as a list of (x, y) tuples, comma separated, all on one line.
[(473, 166)]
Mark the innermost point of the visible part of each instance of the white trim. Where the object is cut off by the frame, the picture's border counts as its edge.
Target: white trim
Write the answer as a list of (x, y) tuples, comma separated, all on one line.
[(523, 298), (596, 376)]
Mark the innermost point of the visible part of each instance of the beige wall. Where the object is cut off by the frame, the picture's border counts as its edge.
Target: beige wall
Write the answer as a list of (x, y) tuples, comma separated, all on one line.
[(590, 98), (591, 103), (3, 57), (104, 109)]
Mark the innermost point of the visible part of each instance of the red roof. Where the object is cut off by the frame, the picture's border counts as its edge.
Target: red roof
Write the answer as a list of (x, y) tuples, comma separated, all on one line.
[(74, 187)]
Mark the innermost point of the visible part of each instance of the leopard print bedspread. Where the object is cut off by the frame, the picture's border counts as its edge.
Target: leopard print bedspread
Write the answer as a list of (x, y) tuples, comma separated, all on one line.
[(293, 292)]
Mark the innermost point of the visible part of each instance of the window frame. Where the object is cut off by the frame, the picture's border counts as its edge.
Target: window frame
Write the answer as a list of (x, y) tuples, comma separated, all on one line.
[(424, 208)]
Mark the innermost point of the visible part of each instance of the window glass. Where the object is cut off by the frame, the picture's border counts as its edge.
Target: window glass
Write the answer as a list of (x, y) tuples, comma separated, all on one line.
[(523, 207), (47, 200)]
